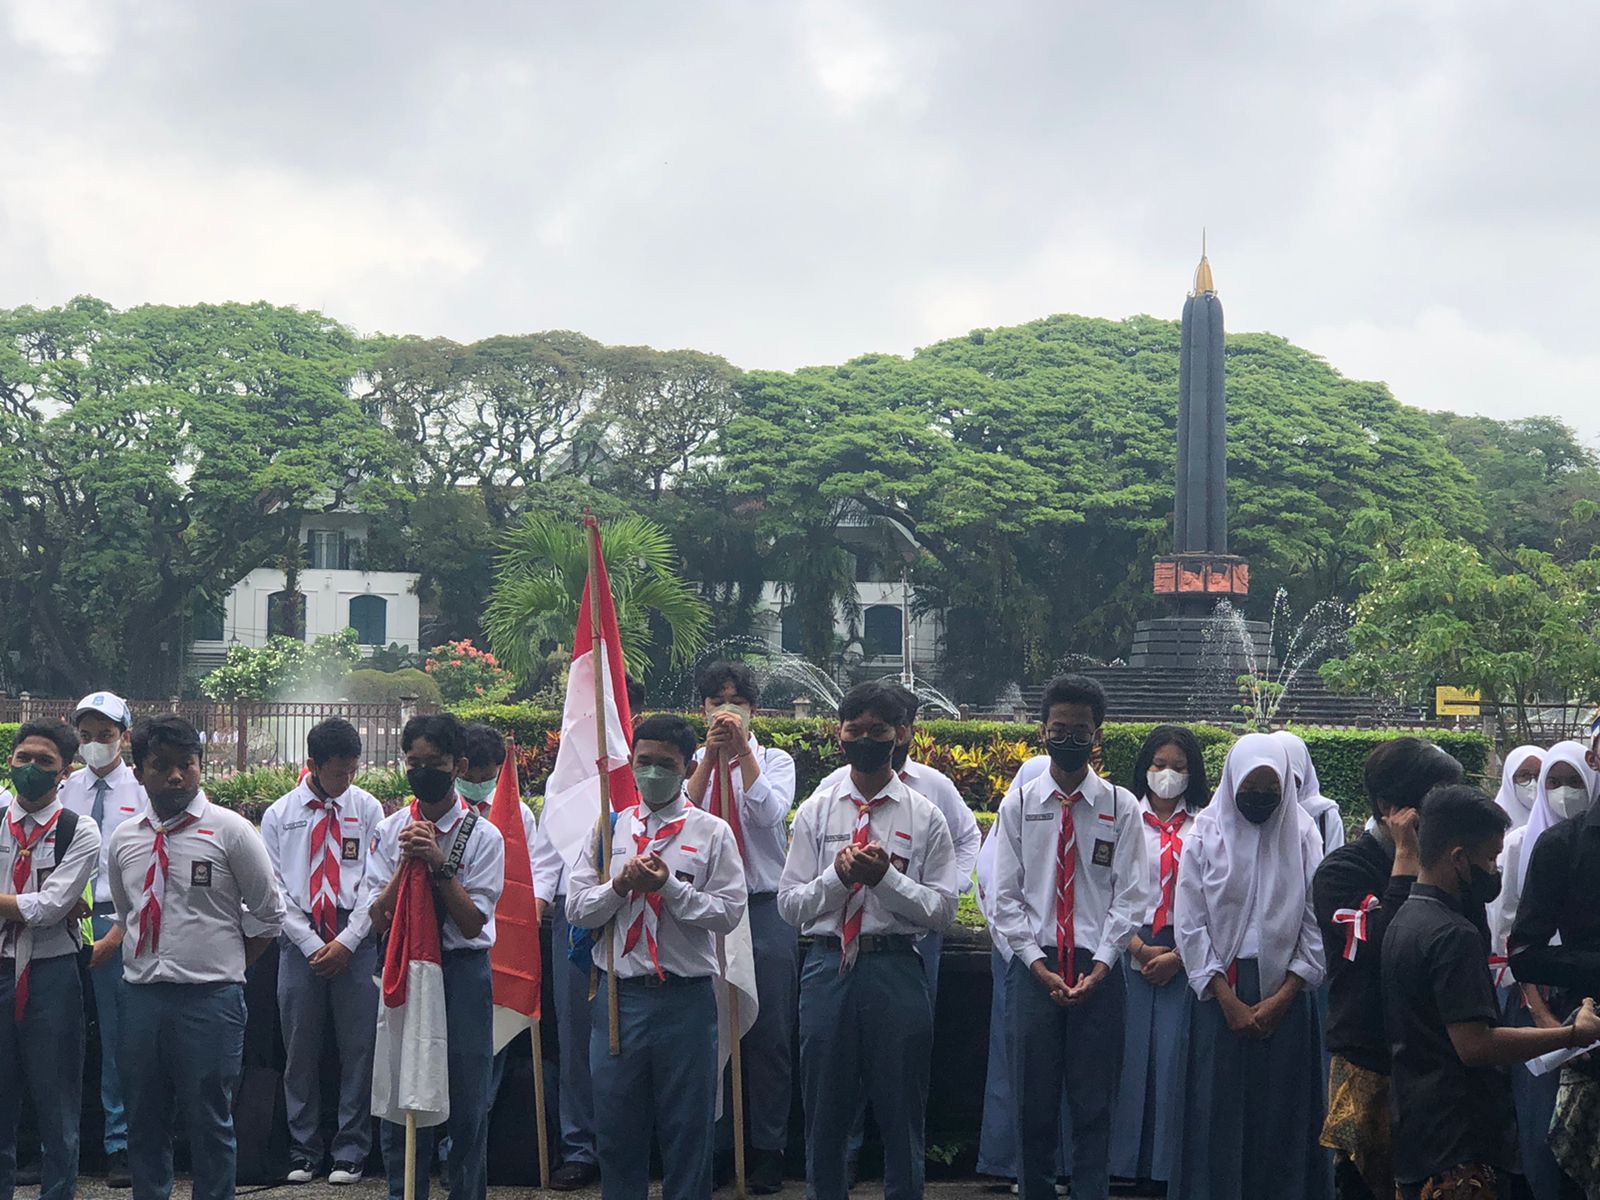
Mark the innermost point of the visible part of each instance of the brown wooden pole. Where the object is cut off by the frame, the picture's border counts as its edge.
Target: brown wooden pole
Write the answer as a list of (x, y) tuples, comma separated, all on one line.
[(592, 527)]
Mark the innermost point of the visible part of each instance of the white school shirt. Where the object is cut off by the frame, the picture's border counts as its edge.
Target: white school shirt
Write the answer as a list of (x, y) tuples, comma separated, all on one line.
[(286, 832), (549, 872), (125, 801), (218, 871), (1152, 855), (482, 872), (918, 892), (704, 894), (1110, 884), (763, 813), (936, 786), (46, 909)]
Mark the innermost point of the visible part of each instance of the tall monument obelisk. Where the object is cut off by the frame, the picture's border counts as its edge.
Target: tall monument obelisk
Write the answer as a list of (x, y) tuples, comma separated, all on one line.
[(1200, 571)]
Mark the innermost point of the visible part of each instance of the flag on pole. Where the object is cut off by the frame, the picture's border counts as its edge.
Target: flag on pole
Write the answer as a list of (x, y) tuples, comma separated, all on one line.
[(572, 795), (515, 956), (738, 975), (410, 1072)]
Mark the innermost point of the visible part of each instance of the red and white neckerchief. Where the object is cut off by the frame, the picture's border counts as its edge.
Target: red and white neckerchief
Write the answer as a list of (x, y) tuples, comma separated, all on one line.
[(1355, 922), (155, 881), (1171, 851), (22, 877), (325, 851), (1066, 881), (856, 903), (726, 808), (644, 908)]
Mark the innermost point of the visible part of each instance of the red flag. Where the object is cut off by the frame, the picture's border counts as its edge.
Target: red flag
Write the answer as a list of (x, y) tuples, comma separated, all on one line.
[(515, 956), (571, 797), (409, 1065)]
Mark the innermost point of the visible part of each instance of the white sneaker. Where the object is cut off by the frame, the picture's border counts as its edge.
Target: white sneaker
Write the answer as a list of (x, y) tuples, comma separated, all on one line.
[(344, 1174), (302, 1173)]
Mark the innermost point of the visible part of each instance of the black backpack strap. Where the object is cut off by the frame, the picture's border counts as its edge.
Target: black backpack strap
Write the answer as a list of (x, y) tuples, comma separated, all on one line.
[(66, 830)]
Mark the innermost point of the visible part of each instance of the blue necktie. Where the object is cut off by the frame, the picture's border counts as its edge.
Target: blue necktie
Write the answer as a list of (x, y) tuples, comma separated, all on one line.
[(101, 787)]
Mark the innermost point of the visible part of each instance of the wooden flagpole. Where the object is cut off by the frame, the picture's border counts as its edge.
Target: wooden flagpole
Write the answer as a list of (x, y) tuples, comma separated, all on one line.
[(411, 1155), (538, 1106), (598, 651), (725, 770)]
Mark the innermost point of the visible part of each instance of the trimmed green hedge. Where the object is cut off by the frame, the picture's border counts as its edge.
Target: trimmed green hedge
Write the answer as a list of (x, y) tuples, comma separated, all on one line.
[(8, 740)]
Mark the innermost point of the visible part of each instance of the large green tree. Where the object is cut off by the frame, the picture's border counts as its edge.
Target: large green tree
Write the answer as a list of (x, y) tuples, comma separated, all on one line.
[(149, 458)]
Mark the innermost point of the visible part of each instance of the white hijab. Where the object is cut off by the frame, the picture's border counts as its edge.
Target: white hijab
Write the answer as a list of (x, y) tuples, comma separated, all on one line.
[(1507, 797), (1305, 771), (1543, 816), (1254, 872)]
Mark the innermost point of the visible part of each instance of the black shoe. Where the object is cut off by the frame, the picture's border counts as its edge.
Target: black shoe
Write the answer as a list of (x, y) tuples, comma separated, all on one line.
[(721, 1169), (117, 1174), (28, 1176), (573, 1176), (765, 1177)]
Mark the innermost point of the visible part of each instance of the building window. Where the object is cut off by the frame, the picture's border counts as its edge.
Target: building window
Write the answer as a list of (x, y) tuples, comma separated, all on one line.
[(209, 619), (326, 550), (369, 617), (286, 615), (880, 632), (791, 638)]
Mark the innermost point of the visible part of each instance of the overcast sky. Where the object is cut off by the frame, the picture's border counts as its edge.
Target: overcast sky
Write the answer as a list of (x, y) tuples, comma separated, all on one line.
[(1409, 189)]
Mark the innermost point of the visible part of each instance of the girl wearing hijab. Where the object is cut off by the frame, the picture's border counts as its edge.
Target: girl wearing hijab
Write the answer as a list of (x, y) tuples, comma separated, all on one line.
[(1251, 947), (1566, 783), (1519, 782), (1169, 780), (1325, 812)]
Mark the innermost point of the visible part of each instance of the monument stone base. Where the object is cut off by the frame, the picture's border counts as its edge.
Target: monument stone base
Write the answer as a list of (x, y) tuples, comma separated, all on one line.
[(1183, 643)]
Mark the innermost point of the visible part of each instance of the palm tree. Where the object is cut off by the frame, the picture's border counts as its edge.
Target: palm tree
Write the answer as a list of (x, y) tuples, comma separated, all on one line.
[(539, 587)]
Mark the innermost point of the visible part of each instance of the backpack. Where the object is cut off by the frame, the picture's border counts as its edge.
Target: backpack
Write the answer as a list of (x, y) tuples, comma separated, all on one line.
[(66, 830)]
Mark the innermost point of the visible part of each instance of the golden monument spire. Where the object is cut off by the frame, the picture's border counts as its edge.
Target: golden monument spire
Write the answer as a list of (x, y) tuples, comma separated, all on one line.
[(1203, 283)]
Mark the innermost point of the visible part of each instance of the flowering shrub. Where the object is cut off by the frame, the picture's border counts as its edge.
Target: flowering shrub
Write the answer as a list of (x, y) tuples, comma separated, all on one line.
[(465, 673), (284, 669)]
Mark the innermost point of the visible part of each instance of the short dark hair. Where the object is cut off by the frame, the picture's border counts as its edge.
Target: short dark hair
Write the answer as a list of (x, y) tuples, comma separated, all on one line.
[(713, 678), (1399, 773), (1198, 793), (168, 732), (671, 729), (876, 698), (1073, 689), (635, 695), (333, 738), (909, 698), (444, 730), (483, 746), (1457, 815), (52, 730)]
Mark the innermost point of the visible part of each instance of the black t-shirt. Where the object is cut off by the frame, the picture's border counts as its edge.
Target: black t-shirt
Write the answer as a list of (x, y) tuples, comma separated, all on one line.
[(1436, 973)]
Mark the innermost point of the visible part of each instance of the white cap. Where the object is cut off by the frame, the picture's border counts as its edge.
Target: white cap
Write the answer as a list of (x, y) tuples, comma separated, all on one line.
[(108, 704)]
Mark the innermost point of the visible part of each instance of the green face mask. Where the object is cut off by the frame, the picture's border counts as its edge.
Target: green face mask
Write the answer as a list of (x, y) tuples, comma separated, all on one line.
[(475, 793), (659, 786), (33, 782)]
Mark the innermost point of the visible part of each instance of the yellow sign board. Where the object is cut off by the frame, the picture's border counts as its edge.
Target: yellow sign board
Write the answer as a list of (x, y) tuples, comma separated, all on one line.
[(1456, 702)]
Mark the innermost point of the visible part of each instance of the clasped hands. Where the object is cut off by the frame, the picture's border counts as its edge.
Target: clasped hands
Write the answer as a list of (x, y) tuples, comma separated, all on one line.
[(1069, 994), (1257, 1022), (644, 873), (865, 865)]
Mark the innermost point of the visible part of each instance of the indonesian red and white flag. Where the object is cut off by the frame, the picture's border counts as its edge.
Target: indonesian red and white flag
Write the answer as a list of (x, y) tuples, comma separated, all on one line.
[(410, 1067), (738, 976), (572, 794), (515, 956)]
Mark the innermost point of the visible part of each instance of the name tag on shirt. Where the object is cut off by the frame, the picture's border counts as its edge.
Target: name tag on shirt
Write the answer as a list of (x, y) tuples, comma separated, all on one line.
[(351, 849), (295, 824), (837, 837), (1044, 816), (1102, 853), (200, 874)]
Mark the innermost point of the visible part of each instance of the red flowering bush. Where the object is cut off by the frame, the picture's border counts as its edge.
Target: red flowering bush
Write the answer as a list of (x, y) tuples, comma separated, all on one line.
[(464, 673)]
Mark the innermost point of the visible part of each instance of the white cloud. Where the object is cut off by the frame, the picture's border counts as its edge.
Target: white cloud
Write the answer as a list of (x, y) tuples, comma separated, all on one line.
[(76, 33)]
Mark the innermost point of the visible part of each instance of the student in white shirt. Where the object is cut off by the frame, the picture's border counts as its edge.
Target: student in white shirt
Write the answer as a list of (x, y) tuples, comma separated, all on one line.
[(1070, 890), (47, 856), (1252, 949), (433, 828), (108, 794), (675, 884), (762, 780), (871, 868), (317, 837), (184, 876)]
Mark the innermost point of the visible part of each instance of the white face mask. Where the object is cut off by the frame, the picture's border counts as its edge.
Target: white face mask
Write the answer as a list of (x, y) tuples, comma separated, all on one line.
[(1167, 783), (1568, 801), (100, 755), (1527, 791)]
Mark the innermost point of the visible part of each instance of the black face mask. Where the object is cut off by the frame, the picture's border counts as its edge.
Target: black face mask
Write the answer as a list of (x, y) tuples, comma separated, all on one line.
[(430, 785), (1257, 806), (1069, 753), (867, 755), (902, 752), (1482, 887)]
